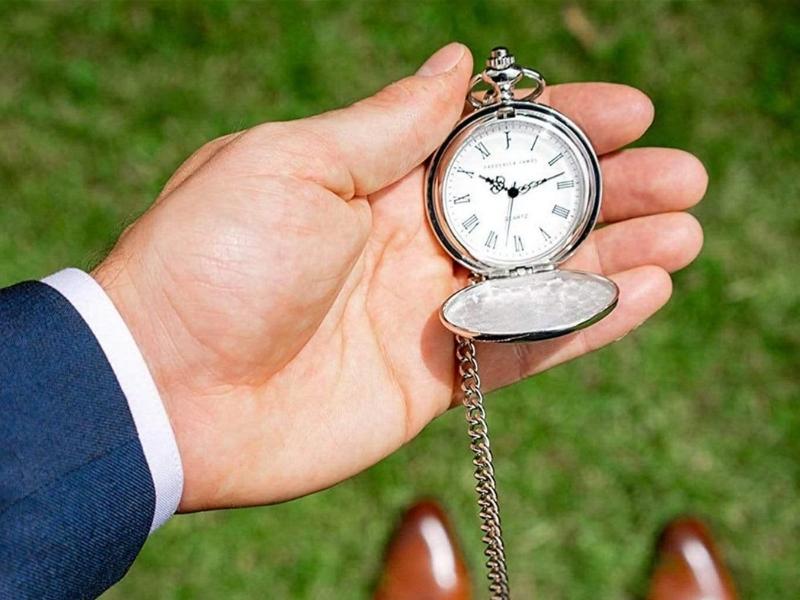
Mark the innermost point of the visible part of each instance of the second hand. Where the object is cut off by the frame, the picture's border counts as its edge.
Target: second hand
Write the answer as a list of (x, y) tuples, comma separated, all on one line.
[(513, 192)]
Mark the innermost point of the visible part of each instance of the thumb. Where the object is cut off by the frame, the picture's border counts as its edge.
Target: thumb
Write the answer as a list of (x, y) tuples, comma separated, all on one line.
[(360, 149)]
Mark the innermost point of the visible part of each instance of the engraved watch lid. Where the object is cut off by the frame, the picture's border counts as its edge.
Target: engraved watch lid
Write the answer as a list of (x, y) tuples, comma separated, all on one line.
[(529, 307)]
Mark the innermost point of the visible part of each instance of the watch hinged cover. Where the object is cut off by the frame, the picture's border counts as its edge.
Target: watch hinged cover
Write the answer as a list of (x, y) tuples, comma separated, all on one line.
[(528, 307)]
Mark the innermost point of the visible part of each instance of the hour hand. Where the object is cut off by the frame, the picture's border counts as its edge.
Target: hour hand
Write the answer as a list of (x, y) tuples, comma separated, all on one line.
[(498, 183)]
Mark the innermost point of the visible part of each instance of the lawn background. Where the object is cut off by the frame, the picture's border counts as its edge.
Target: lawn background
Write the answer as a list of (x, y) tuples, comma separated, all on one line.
[(100, 102)]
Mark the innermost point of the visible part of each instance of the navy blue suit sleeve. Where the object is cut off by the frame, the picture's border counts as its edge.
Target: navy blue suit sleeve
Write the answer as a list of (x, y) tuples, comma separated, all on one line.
[(76, 495)]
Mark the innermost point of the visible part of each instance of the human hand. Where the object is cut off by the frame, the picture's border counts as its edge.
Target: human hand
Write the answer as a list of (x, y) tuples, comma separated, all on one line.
[(284, 287)]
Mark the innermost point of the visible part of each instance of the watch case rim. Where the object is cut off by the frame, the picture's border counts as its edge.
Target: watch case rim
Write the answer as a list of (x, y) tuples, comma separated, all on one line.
[(434, 182)]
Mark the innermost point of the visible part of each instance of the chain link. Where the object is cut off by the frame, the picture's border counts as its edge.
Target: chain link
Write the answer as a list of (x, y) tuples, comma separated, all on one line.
[(486, 486)]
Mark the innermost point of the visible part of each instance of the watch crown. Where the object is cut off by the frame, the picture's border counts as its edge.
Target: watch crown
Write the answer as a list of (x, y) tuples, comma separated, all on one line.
[(500, 58)]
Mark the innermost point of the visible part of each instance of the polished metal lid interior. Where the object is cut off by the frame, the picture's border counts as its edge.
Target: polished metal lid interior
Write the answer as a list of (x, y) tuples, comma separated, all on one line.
[(529, 307)]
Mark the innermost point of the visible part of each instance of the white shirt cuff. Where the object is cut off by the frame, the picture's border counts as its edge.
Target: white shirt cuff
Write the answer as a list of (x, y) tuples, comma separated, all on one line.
[(149, 416)]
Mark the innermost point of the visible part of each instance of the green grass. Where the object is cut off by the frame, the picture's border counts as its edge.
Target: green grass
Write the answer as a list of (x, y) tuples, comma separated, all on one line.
[(695, 412)]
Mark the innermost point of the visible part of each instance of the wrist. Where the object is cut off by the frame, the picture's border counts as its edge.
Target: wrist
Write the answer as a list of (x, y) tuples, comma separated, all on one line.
[(141, 320), (115, 278)]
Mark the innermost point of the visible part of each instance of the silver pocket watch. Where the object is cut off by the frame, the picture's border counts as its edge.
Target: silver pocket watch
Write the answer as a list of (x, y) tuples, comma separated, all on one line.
[(511, 194)]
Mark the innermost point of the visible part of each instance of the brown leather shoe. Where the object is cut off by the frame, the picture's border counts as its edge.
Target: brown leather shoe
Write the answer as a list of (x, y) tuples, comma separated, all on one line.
[(688, 566), (423, 561)]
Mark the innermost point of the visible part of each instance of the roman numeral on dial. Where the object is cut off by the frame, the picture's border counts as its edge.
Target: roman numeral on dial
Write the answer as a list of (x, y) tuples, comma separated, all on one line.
[(536, 139), (469, 174), (545, 235), (461, 199), (491, 240), (555, 159), (471, 223), (481, 147), (518, 245), (560, 211), (563, 185)]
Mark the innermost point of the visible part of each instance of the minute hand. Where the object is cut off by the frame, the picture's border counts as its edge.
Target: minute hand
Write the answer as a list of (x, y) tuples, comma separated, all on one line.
[(537, 182)]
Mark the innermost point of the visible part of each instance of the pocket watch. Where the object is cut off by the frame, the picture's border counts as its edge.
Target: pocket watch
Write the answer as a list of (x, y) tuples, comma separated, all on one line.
[(511, 194)]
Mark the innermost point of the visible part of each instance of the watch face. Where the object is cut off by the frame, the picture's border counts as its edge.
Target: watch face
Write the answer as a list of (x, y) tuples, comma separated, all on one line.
[(515, 191)]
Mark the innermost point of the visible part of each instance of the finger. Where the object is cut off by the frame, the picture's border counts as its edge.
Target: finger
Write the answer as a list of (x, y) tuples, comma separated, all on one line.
[(642, 292), (362, 148), (670, 241), (645, 181), (611, 114)]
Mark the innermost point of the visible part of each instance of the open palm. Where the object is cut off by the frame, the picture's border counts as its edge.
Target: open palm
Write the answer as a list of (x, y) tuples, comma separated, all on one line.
[(284, 288)]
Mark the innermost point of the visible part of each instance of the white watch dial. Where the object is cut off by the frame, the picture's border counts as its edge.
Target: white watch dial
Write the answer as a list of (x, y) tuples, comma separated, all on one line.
[(514, 191)]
